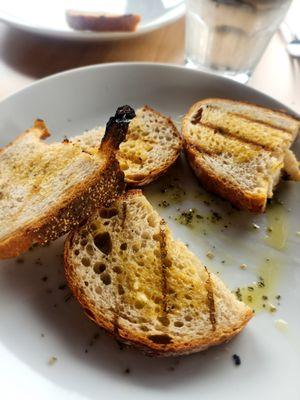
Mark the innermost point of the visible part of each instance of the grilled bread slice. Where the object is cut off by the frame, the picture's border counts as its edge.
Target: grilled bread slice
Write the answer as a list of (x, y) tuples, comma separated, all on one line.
[(152, 145), (99, 22), (145, 288), (239, 150), (47, 189)]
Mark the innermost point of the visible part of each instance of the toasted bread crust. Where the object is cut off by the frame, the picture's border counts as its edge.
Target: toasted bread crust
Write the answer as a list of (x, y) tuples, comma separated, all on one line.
[(97, 22), (139, 180), (130, 338)]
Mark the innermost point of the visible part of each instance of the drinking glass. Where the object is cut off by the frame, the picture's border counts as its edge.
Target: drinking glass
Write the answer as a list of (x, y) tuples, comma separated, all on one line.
[(228, 37)]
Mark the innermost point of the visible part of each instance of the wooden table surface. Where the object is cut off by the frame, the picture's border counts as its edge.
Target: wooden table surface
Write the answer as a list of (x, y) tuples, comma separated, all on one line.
[(25, 58)]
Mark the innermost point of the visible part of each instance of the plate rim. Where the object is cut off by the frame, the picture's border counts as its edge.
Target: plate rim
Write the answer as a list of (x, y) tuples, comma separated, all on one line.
[(38, 376), (9, 20), (147, 64)]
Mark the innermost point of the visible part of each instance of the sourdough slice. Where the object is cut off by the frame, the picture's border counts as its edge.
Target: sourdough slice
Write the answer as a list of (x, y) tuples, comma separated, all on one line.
[(239, 150), (48, 189), (145, 288), (151, 146), (99, 22)]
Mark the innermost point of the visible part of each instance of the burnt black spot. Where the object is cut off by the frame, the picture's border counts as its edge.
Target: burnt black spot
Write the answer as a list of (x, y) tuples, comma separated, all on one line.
[(107, 213), (197, 117), (160, 339), (103, 242)]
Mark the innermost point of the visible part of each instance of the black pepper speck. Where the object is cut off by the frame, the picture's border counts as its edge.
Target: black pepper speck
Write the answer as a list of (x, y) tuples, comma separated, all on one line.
[(236, 360)]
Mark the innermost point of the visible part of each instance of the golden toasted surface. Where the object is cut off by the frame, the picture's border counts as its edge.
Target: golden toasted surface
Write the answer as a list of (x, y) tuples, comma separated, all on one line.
[(212, 142), (238, 150), (33, 176), (47, 189), (137, 282), (152, 145), (245, 128)]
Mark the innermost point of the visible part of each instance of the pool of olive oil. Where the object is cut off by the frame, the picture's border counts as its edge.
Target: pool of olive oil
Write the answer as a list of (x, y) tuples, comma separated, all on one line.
[(277, 228), (263, 294)]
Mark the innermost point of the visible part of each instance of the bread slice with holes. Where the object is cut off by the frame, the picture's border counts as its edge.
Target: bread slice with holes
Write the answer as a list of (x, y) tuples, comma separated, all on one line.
[(146, 288), (48, 189), (152, 145), (240, 150)]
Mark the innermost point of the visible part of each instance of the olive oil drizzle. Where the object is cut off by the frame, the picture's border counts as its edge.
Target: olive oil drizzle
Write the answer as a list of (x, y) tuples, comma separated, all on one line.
[(277, 228), (262, 294)]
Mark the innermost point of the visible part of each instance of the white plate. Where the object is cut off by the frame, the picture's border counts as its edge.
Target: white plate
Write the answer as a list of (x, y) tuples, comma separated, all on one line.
[(29, 307), (48, 17)]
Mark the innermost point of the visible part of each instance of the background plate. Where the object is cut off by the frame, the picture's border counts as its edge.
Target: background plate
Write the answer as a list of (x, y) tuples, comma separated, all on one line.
[(39, 320), (48, 18)]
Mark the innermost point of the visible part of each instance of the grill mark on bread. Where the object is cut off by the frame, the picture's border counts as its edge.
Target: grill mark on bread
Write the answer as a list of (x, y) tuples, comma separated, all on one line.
[(210, 301), (117, 304), (200, 149), (246, 117), (225, 132), (197, 117), (114, 312), (163, 258)]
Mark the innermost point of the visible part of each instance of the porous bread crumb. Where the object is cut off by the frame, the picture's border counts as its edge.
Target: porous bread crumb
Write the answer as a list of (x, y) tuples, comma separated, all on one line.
[(139, 280), (46, 189), (238, 150), (152, 145)]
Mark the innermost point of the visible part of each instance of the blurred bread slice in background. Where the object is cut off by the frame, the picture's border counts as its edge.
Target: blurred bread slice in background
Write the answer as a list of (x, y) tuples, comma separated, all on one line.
[(100, 22)]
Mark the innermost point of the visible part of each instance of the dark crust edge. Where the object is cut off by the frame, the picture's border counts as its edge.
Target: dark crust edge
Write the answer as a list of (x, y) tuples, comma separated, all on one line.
[(210, 300)]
